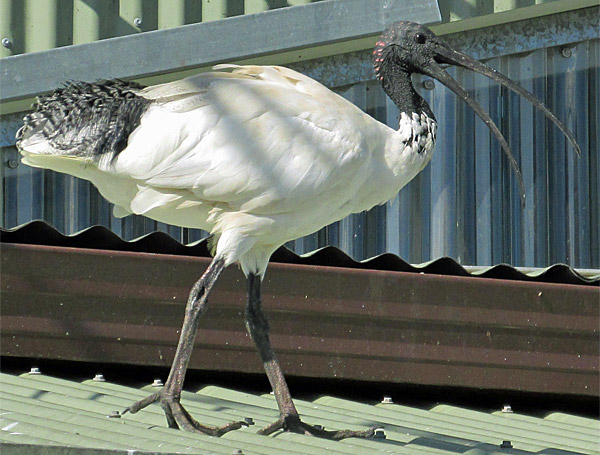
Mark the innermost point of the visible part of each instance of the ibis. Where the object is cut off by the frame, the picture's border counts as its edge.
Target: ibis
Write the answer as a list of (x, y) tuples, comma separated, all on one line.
[(257, 156)]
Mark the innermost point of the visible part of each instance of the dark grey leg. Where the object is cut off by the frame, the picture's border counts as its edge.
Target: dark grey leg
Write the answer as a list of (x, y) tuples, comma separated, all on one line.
[(169, 395), (289, 419)]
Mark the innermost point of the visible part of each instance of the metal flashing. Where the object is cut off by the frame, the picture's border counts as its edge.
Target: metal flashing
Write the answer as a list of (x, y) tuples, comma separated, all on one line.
[(99, 237), (207, 43)]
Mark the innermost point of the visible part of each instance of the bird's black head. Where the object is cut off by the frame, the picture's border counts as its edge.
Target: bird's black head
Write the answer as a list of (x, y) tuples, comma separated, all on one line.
[(405, 48)]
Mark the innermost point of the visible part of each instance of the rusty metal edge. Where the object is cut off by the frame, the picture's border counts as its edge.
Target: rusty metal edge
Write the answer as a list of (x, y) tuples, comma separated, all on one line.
[(99, 237), (327, 322)]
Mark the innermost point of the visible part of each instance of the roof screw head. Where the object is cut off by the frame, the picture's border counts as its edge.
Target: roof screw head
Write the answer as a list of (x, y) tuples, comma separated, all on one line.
[(114, 415), (99, 378), (387, 400), (6, 42), (35, 370), (506, 445), (379, 433), (428, 84), (566, 52), (137, 22), (507, 408), (249, 421), (157, 383), (237, 452), (12, 164)]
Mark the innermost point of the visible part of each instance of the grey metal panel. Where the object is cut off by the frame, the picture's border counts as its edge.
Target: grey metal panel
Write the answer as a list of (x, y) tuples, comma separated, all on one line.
[(207, 43)]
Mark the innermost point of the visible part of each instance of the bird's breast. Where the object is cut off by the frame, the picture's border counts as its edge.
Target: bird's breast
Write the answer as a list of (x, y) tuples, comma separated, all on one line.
[(417, 131), (409, 149)]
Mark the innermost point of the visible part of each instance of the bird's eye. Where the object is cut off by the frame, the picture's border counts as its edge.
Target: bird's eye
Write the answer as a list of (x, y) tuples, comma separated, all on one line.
[(420, 38)]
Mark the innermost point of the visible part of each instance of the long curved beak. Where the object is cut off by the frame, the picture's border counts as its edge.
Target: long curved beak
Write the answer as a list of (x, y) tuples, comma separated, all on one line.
[(446, 54)]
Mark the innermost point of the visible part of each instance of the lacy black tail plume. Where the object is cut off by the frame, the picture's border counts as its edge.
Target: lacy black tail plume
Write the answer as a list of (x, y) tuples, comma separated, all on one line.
[(87, 119)]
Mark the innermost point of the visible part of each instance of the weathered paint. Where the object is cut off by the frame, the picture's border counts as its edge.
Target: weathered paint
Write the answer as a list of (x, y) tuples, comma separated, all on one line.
[(326, 322)]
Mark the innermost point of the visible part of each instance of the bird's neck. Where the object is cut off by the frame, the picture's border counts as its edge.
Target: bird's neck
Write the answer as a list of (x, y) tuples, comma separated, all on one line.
[(409, 149), (399, 87)]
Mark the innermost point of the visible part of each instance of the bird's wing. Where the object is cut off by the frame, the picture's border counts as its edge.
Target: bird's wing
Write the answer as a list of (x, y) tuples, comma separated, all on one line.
[(260, 139)]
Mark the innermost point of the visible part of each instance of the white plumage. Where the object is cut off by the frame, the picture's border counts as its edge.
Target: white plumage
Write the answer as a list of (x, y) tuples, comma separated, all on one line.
[(257, 156)]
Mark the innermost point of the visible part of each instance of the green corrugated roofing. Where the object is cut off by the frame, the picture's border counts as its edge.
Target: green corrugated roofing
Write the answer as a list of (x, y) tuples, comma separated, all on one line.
[(55, 415)]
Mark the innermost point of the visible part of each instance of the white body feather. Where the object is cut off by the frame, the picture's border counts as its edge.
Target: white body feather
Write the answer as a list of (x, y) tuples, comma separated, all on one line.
[(257, 156)]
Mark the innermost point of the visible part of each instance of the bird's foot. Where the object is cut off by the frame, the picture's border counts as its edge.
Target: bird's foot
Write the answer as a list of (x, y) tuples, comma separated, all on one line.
[(295, 425), (178, 417)]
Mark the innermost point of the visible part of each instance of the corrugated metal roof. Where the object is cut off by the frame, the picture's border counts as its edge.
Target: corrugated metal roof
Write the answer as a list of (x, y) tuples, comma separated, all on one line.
[(99, 237), (42, 411)]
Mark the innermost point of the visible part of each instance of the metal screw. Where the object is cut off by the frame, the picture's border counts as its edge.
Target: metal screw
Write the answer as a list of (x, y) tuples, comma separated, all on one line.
[(506, 445), (137, 22), (249, 421), (428, 84), (99, 378), (566, 52), (12, 164), (387, 400), (35, 370), (507, 408), (237, 452), (114, 415), (157, 383), (6, 42), (379, 434)]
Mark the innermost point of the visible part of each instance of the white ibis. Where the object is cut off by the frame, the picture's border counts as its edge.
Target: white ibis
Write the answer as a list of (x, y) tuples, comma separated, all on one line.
[(258, 156)]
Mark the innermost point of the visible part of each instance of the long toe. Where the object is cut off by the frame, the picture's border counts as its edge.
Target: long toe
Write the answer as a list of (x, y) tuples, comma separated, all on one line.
[(141, 404), (294, 424), (186, 422)]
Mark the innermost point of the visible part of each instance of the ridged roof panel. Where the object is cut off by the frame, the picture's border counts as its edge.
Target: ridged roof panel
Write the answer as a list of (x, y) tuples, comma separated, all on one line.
[(49, 411)]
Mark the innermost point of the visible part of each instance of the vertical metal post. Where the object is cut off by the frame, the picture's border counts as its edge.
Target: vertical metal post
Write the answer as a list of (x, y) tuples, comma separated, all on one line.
[(7, 28), (256, 6), (171, 13), (457, 10), (132, 17), (213, 10), (86, 21), (41, 18), (220, 9)]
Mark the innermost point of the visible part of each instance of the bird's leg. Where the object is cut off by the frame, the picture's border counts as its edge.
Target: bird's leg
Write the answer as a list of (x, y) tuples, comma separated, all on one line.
[(169, 395), (289, 419)]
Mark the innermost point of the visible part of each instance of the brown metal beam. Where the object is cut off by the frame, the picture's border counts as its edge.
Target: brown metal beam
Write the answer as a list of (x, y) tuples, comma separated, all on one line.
[(326, 322)]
